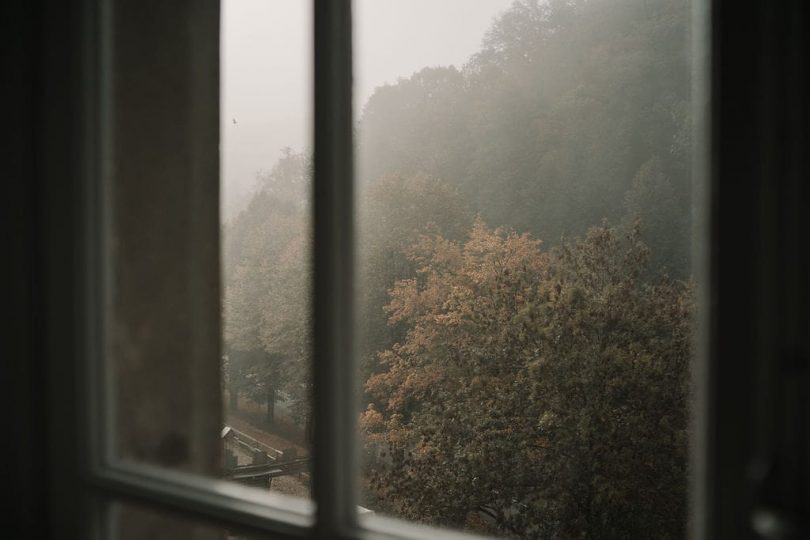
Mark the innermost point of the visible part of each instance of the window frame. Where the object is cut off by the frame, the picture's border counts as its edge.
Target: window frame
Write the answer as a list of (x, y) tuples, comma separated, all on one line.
[(732, 152), (333, 511)]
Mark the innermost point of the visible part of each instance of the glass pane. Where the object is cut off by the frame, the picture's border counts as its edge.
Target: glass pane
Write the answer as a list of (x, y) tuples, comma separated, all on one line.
[(526, 296), (209, 343), (161, 292), (265, 129)]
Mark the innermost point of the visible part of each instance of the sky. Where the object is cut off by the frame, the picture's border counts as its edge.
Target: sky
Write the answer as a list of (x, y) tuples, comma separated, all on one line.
[(266, 69)]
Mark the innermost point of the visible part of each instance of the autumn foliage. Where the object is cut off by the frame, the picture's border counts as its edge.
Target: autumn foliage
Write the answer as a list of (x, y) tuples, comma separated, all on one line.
[(513, 387), (536, 393)]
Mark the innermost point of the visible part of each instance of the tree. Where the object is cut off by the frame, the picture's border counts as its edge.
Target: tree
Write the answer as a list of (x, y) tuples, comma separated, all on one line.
[(266, 304), (653, 202), (394, 212), (286, 329), (546, 127), (544, 390)]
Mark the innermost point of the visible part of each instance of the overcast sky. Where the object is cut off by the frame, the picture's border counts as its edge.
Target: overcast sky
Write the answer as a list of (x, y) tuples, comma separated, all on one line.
[(267, 63)]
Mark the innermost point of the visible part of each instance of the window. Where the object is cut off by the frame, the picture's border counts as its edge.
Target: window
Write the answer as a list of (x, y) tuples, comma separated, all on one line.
[(113, 255), (525, 364)]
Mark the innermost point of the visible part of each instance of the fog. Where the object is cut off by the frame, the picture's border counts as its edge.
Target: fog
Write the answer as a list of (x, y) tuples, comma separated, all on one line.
[(524, 301), (266, 67)]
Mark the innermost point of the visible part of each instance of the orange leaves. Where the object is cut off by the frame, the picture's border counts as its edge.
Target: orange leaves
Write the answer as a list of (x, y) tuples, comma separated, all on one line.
[(405, 300), (372, 421), (517, 364), (434, 254), (499, 268)]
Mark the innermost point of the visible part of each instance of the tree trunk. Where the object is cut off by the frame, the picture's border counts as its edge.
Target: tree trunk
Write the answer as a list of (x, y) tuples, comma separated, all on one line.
[(271, 405), (233, 399), (308, 433)]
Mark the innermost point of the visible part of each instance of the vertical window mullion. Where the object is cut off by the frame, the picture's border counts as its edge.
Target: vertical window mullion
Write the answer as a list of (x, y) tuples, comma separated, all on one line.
[(333, 373)]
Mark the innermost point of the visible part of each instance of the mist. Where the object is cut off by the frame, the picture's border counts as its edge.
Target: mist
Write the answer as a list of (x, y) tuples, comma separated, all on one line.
[(266, 66), (523, 299)]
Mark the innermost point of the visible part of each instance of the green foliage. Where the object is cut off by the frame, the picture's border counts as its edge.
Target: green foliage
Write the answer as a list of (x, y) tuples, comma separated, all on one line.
[(653, 203), (392, 215), (516, 390), (546, 127), (545, 390), (266, 306)]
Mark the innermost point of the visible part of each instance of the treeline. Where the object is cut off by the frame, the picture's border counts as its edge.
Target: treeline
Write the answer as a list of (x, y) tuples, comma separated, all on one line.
[(541, 393), (510, 386), (574, 111), (266, 270)]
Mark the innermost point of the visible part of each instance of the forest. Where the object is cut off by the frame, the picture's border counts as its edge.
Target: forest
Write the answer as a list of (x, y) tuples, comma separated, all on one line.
[(524, 293)]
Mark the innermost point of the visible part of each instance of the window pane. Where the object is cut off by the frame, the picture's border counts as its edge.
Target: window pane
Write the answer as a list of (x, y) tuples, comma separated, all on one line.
[(209, 342), (161, 282), (525, 295), (266, 169)]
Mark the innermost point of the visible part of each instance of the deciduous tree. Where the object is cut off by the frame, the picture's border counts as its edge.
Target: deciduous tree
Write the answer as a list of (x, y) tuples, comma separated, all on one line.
[(544, 390)]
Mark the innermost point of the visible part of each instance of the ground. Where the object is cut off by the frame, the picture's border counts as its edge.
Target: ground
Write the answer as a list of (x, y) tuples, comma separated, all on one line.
[(246, 422)]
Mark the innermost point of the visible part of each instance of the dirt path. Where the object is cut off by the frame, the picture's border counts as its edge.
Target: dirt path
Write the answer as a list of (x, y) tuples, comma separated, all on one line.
[(295, 485), (290, 485), (270, 439)]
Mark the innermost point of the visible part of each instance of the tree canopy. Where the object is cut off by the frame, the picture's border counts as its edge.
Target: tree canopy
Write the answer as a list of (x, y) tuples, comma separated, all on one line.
[(545, 129), (512, 386), (266, 308), (546, 390)]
